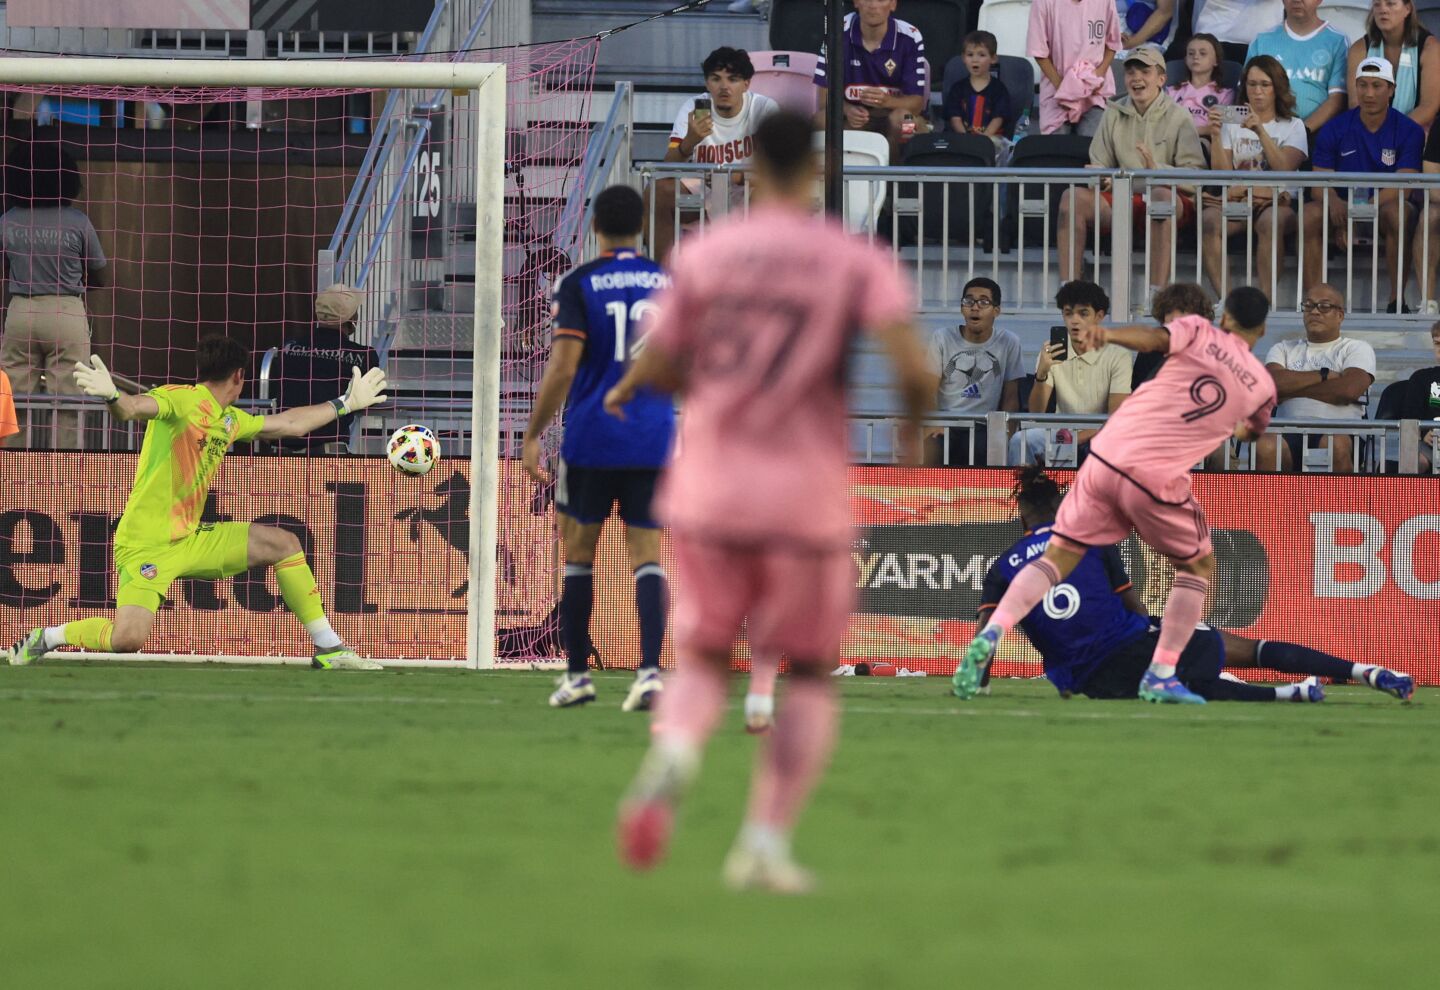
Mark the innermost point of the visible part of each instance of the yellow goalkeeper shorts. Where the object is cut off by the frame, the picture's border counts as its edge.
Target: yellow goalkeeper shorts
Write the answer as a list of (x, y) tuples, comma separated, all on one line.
[(214, 550)]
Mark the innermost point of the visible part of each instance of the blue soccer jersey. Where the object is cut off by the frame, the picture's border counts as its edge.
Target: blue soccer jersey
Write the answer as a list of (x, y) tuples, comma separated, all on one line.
[(1081, 621), (602, 304)]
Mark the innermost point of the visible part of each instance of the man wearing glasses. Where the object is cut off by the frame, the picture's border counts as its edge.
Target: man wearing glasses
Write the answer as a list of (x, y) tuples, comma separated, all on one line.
[(1323, 376), (978, 371)]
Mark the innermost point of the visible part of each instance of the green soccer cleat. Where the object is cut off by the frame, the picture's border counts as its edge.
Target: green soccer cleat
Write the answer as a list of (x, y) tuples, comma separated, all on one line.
[(966, 682), (28, 650), (342, 658)]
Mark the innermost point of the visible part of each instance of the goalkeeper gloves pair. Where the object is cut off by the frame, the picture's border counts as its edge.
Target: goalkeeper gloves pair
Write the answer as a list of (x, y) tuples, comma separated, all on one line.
[(365, 390)]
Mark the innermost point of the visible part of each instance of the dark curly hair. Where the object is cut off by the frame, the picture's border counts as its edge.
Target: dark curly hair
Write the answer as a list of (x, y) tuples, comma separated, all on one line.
[(1035, 493), (41, 174)]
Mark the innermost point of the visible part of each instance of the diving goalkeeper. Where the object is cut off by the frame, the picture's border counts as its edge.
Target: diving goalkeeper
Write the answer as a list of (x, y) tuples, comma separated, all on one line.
[(161, 538)]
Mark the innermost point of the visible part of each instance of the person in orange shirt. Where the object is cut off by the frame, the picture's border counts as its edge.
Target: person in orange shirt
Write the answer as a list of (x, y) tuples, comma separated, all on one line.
[(9, 425)]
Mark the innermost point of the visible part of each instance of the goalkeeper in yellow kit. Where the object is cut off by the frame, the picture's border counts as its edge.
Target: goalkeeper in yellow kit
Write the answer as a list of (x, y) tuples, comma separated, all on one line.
[(161, 538)]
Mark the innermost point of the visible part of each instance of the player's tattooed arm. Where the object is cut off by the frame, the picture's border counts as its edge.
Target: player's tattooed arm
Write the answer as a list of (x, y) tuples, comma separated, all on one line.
[(1136, 338)]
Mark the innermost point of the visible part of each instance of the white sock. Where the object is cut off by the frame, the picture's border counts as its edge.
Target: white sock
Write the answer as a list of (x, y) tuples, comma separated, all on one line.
[(1163, 670), (765, 840), (1362, 672), (1287, 692), (55, 637), (322, 635)]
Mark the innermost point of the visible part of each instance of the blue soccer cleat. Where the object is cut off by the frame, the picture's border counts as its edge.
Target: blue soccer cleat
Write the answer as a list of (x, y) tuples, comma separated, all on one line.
[(1167, 690), (572, 691), (1393, 682), (1309, 690), (966, 682)]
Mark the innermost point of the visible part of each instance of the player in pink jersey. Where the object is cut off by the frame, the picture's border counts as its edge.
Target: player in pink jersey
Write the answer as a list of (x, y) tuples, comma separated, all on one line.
[(755, 332), (1211, 388)]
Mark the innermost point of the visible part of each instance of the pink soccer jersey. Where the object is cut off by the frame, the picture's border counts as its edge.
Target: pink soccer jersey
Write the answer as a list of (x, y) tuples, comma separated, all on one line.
[(1070, 31), (1210, 383), (761, 314)]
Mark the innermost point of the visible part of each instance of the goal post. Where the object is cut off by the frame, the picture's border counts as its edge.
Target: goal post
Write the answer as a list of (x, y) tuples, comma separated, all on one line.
[(485, 85)]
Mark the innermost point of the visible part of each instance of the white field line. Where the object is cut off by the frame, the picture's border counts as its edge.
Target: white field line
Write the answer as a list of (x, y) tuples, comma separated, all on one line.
[(1063, 710)]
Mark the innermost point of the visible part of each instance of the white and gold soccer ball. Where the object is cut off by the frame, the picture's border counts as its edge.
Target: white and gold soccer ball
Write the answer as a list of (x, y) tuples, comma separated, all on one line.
[(413, 450)]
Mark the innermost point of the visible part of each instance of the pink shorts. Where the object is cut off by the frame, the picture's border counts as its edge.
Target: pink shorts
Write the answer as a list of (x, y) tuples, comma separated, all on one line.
[(1103, 505), (791, 600)]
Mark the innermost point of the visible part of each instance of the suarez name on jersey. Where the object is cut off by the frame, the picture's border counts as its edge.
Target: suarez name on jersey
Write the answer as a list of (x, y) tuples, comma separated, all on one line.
[(602, 303)]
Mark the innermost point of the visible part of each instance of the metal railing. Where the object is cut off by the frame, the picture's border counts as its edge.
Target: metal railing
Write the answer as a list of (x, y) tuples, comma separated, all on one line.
[(989, 439), (81, 422), (1015, 226), (606, 162)]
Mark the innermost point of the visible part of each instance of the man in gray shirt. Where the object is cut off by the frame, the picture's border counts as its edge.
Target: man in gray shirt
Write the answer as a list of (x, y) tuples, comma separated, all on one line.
[(978, 371)]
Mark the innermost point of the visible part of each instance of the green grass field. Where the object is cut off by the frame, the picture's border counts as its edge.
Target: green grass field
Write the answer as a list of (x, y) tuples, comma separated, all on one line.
[(223, 827)]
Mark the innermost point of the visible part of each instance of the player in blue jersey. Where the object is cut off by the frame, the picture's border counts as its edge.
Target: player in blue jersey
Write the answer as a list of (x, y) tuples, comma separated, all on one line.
[(1095, 639), (598, 309)]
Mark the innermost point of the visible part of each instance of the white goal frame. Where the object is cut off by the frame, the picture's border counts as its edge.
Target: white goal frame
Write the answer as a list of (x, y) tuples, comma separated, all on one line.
[(487, 82)]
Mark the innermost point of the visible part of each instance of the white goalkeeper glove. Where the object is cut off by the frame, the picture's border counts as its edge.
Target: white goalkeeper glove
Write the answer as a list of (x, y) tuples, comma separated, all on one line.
[(94, 379), (365, 391)]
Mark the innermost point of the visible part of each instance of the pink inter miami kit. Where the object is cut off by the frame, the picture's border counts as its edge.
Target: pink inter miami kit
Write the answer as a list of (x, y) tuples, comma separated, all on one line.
[(760, 315), (1138, 472)]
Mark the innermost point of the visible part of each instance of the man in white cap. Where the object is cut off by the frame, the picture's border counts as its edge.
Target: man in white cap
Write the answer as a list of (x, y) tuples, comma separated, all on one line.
[(1372, 137), (309, 370)]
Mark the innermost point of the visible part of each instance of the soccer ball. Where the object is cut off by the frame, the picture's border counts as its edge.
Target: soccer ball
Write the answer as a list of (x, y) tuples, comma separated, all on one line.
[(413, 449)]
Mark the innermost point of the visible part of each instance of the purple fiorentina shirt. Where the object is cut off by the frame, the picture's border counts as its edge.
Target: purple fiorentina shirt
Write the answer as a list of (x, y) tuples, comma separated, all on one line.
[(897, 65)]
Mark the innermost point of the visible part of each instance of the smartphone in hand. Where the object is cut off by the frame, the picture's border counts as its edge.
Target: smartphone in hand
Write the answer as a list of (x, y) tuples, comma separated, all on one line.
[(702, 107), (1061, 335)]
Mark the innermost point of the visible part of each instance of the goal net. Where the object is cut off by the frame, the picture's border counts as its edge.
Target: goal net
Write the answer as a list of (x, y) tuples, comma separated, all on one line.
[(223, 196)]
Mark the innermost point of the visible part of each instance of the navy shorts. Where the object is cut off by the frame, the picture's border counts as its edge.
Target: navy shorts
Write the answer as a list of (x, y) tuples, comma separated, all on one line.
[(1119, 675), (588, 494)]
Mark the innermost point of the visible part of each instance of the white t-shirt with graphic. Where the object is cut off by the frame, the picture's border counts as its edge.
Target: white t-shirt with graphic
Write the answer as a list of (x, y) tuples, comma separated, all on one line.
[(732, 139), (1337, 355)]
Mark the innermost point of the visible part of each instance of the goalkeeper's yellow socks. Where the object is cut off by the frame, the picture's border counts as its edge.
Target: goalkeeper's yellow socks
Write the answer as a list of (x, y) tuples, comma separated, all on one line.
[(91, 634), (302, 596)]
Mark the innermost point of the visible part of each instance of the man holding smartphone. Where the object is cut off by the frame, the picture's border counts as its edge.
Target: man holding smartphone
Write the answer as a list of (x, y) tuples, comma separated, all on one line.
[(715, 128), (1084, 381)]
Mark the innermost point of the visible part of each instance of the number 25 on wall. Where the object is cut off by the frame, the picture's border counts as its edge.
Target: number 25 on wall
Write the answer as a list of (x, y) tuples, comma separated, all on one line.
[(427, 185)]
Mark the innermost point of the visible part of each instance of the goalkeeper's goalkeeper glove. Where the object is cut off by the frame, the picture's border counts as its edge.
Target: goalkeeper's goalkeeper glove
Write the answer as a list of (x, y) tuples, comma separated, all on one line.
[(365, 391), (94, 379)]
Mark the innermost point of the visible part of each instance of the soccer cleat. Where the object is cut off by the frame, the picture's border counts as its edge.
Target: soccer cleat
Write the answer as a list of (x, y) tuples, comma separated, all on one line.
[(342, 658), (647, 813), (572, 691), (1309, 690), (759, 713), (748, 869), (1167, 690), (28, 650), (1392, 682), (643, 692), (966, 682)]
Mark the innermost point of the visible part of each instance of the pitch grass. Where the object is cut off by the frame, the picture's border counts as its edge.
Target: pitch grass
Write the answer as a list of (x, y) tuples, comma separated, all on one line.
[(222, 827)]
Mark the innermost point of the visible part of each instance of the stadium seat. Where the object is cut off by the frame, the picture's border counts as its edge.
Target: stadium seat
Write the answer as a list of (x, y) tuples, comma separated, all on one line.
[(941, 151), (797, 25), (788, 78), (863, 198), (1015, 73), (1009, 22), (1027, 203)]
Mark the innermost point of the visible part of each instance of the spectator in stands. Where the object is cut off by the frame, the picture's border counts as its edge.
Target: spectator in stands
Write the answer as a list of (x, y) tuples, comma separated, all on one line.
[(978, 370), (315, 370), (1313, 53), (1273, 139), (884, 60), (1236, 22), (52, 255), (1172, 302), (1425, 249), (1422, 402), (1393, 32), (1073, 42), (1202, 90), (979, 103), (1373, 137), (9, 424), (1144, 130), (1084, 382), (719, 133), (1147, 22), (1323, 376)]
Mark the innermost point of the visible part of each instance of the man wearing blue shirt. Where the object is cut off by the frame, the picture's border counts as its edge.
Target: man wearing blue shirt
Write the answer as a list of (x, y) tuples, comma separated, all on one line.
[(1095, 639), (1313, 53), (883, 66), (1372, 138), (598, 311)]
